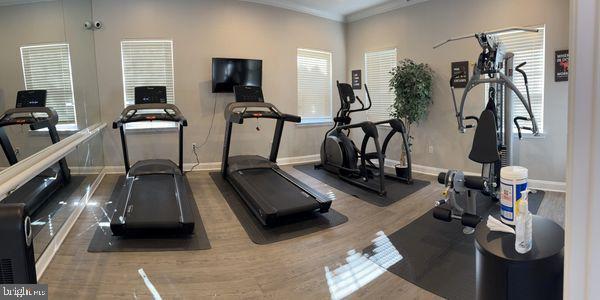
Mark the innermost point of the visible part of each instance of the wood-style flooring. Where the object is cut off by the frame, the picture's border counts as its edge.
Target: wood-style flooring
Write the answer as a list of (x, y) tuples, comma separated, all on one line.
[(235, 267)]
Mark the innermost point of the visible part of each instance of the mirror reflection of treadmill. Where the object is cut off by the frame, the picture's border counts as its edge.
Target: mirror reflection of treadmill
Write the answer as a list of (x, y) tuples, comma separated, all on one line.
[(35, 194)]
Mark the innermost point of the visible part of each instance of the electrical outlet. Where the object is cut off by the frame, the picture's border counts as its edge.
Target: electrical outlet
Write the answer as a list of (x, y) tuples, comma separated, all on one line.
[(194, 146), (17, 151), (430, 149)]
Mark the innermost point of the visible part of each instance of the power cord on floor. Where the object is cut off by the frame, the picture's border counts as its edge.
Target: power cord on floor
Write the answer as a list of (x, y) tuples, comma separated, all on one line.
[(195, 148)]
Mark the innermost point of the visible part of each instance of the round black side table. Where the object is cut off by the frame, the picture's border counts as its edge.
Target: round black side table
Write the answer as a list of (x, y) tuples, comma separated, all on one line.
[(503, 273)]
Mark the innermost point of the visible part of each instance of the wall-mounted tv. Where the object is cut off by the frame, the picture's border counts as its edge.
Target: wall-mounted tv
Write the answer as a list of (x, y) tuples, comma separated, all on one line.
[(229, 72)]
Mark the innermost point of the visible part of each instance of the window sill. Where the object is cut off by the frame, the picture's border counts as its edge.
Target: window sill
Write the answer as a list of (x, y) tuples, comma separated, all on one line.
[(66, 129), (151, 126), (315, 122), (530, 136)]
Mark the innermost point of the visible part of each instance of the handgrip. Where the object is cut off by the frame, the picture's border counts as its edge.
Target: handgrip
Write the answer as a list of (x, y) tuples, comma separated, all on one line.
[(518, 69), (516, 121), (472, 118)]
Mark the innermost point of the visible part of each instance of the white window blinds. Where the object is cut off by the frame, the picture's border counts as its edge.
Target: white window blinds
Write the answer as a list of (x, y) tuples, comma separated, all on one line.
[(48, 67), (378, 65), (528, 47), (147, 63), (314, 85)]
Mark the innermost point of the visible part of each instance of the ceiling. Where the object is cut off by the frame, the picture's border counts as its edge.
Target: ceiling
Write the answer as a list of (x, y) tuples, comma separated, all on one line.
[(340, 10)]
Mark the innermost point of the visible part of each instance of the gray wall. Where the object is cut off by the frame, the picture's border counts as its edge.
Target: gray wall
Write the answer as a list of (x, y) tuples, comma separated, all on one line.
[(202, 30), (414, 30)]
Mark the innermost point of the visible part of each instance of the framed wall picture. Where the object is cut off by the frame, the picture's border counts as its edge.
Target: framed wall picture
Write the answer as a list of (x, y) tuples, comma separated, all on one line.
[(460, 73), (356, 79), (561, 65)]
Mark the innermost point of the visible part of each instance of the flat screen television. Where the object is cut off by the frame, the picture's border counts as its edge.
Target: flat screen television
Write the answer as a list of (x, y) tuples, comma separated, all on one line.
[(230, 72)]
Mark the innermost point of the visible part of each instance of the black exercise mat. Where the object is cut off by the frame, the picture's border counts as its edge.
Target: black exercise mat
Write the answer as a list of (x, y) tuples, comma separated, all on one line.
[(396, 190), (104, 241), (437, 256), (289, 229)]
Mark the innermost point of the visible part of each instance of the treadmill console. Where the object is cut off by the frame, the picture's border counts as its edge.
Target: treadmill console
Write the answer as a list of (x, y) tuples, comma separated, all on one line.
[(246, 93), (150, 94), (31, 98)]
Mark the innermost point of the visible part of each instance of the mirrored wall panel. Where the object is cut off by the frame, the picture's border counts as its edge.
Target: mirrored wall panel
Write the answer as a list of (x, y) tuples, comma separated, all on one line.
[(49, 91)]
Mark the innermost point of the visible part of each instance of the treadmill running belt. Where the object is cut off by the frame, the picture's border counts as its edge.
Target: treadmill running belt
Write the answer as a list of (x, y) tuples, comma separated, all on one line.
[(290, 228), (149, 194), (275, 190), (104, 241)]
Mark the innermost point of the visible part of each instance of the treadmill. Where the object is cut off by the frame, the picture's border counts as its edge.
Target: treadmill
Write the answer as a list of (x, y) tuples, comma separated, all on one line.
[(269, 192), (31, 110), (154, 199)]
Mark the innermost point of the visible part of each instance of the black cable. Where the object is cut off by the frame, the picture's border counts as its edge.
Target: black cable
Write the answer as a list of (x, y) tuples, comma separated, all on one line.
[(212, 120)]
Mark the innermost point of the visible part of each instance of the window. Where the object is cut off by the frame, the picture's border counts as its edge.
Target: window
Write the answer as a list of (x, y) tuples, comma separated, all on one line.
[(147, 62), (48, 67), (528, 47), (378, 65), (314, 86)]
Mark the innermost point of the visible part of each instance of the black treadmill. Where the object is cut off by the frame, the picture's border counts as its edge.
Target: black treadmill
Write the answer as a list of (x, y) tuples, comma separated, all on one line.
[(31, 110), (155, 199), (269, 192)]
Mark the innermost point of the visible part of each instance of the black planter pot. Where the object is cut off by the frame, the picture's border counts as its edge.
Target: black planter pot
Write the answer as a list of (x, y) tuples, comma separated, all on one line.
[(402, 171)]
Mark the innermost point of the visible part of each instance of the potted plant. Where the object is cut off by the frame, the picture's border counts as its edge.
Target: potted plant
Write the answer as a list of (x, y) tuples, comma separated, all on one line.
[(411, 84)]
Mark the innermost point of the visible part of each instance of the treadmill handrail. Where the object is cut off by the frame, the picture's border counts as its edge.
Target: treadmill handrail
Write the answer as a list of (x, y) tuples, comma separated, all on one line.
[(233, 116), (130, 114), (35, 123)]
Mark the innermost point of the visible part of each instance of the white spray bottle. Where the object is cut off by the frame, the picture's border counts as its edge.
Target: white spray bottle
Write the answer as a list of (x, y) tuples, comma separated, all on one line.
[(523, 226)]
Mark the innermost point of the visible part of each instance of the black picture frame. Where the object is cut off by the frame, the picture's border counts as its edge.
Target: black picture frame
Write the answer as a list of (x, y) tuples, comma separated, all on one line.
[(357, 79), (460, 73), (561, 65)]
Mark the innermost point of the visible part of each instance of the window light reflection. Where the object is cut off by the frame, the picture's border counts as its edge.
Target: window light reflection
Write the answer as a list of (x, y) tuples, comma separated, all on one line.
[(361, 269)]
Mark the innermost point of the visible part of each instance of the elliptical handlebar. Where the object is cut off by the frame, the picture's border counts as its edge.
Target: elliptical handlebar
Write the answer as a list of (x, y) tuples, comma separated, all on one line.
[(363, 108)]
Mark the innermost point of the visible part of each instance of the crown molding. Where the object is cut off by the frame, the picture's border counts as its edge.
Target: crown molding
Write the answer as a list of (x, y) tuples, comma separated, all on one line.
[(300, 8), (20, 2), (380, 9)]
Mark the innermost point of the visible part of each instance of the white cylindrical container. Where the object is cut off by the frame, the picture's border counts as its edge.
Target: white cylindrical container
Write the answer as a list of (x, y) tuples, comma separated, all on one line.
[(513, 180)]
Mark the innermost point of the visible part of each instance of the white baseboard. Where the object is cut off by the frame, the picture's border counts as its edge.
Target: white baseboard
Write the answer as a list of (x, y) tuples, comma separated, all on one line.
[(544, 185), (299, 159), (85, 170), (215, 166), (44, 260)]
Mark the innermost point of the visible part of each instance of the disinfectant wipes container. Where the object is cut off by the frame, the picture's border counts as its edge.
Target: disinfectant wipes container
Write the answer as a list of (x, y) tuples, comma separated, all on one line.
[(513, 180)]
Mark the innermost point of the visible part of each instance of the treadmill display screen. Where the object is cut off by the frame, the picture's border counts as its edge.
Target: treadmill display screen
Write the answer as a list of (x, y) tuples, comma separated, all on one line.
[(244, 93), (150, 94), (31, 98)]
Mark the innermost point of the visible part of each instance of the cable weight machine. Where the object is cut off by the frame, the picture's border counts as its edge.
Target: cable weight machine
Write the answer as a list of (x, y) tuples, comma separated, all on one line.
[(494, 144)]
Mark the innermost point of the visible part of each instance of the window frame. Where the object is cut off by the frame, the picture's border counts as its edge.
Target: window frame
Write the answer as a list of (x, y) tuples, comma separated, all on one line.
[(61, 126), (321, 120), (147, 126)]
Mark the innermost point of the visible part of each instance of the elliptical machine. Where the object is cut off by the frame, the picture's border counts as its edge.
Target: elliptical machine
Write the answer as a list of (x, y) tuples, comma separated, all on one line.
[(493, 144), (339, 154)]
